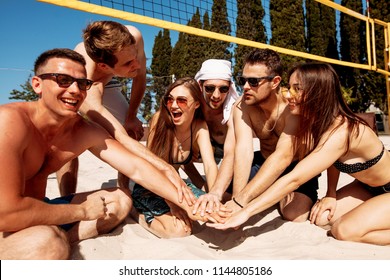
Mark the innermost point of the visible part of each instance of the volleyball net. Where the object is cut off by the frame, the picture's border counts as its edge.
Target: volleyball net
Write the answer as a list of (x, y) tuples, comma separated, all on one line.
[(175, 15)]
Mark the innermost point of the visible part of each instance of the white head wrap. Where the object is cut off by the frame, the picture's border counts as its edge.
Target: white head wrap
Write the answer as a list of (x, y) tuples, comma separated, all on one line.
[(219, 69)]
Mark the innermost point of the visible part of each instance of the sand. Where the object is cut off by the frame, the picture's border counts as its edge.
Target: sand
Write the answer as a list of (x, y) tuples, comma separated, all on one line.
[(264, 236)]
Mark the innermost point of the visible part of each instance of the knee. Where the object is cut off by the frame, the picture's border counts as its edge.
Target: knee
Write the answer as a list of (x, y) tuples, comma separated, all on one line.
[(51, 243), (123, 203), (294, 216), (343, 231), (294, 211)]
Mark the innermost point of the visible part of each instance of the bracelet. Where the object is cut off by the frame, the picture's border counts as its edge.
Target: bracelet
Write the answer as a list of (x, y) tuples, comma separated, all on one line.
[(235, 201)]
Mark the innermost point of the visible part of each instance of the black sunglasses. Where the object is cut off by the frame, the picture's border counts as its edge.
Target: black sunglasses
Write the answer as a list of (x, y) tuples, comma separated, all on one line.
[(64, 80), (253, 82), (211, 88)]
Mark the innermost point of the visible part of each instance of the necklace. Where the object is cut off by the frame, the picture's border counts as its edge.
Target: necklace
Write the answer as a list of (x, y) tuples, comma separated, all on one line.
[(182, 142), (276, 120)]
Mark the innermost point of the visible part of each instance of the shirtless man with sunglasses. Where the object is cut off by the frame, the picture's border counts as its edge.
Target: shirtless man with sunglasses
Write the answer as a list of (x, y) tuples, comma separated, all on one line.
[(262, 111), (38, 138), (219, 92), (115, 50)]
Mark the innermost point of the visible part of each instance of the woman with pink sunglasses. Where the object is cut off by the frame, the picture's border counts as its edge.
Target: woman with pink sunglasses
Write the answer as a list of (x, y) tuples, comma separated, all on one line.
[(178, 134)]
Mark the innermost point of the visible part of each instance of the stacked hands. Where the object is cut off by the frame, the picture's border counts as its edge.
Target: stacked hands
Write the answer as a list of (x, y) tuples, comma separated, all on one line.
[(208, 208)]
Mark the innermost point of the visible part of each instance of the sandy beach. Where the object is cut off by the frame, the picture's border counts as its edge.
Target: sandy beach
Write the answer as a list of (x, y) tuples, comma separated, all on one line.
[(264, 236)]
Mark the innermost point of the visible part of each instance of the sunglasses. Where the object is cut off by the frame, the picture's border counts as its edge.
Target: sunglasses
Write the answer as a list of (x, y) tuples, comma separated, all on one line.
[(65, 81), (182, 102), (291, 92), (211, 88), (253, 82)]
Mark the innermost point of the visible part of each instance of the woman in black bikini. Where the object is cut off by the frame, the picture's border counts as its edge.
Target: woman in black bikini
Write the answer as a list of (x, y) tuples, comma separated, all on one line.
[(178, 134), (334, 139)]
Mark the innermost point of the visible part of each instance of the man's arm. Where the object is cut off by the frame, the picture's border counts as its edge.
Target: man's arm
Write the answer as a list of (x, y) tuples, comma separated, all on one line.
[(22, 186), (138, 87), (206, 151), (225, 171), (273, 166), (243, 151), (136, 168)]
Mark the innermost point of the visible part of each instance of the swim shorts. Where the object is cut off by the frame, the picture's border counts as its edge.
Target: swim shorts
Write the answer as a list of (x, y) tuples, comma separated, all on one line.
[(62, 200), (150, 205), (309, 188)]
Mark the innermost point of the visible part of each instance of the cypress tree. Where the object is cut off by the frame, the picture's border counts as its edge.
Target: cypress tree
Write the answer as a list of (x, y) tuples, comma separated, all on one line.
[(220, 24), (375, 82), (249, 26), (179, 56), (196, 51), (161, 63), (206, 42), (147, 100), (321, 29), (352, 48), (288, 28)]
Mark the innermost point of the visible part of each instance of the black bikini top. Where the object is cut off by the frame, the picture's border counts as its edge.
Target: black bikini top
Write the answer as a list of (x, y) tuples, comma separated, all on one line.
[(359, 166), (189, 158)]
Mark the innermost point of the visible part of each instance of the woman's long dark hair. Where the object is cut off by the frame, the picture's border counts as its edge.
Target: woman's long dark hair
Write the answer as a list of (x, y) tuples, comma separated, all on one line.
[(160, 140), (321, 103)]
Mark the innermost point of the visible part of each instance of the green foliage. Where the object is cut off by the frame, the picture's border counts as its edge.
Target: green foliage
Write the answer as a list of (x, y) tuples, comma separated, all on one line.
[(311, 30), (249, 26), (288, 29), (321, 30), (147, 101), (179, 55), (161, 64), (220, 24), (27, 94)]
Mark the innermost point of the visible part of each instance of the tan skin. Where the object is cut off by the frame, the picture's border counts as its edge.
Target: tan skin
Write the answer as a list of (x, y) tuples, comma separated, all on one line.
[(358, 216), (222, 134), (176, 223), (263, 111), (39, 137), (132, 64)]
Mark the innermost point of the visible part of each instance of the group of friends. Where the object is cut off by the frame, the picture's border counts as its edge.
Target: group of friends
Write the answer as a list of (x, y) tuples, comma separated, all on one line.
[(304, 128)]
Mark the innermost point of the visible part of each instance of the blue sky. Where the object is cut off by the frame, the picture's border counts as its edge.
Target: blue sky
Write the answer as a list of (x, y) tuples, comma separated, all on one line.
[(28, 28)]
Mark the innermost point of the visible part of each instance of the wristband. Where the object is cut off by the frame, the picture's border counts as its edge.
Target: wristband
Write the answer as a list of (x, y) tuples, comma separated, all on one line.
[(235, 201)]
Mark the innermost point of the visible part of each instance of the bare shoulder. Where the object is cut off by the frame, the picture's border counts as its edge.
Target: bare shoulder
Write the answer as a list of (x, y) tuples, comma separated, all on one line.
[(14, 113), (15, 124), (135, 32), (80, 48)]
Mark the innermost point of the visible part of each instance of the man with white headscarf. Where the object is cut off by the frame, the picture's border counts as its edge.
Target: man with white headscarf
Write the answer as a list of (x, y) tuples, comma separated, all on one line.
[(220, 94)]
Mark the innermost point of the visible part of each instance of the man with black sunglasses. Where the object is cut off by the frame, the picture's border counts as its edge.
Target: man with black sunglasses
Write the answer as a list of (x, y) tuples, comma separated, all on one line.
[(115, 50), (262, 111), (37, 139), (220, 94)]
